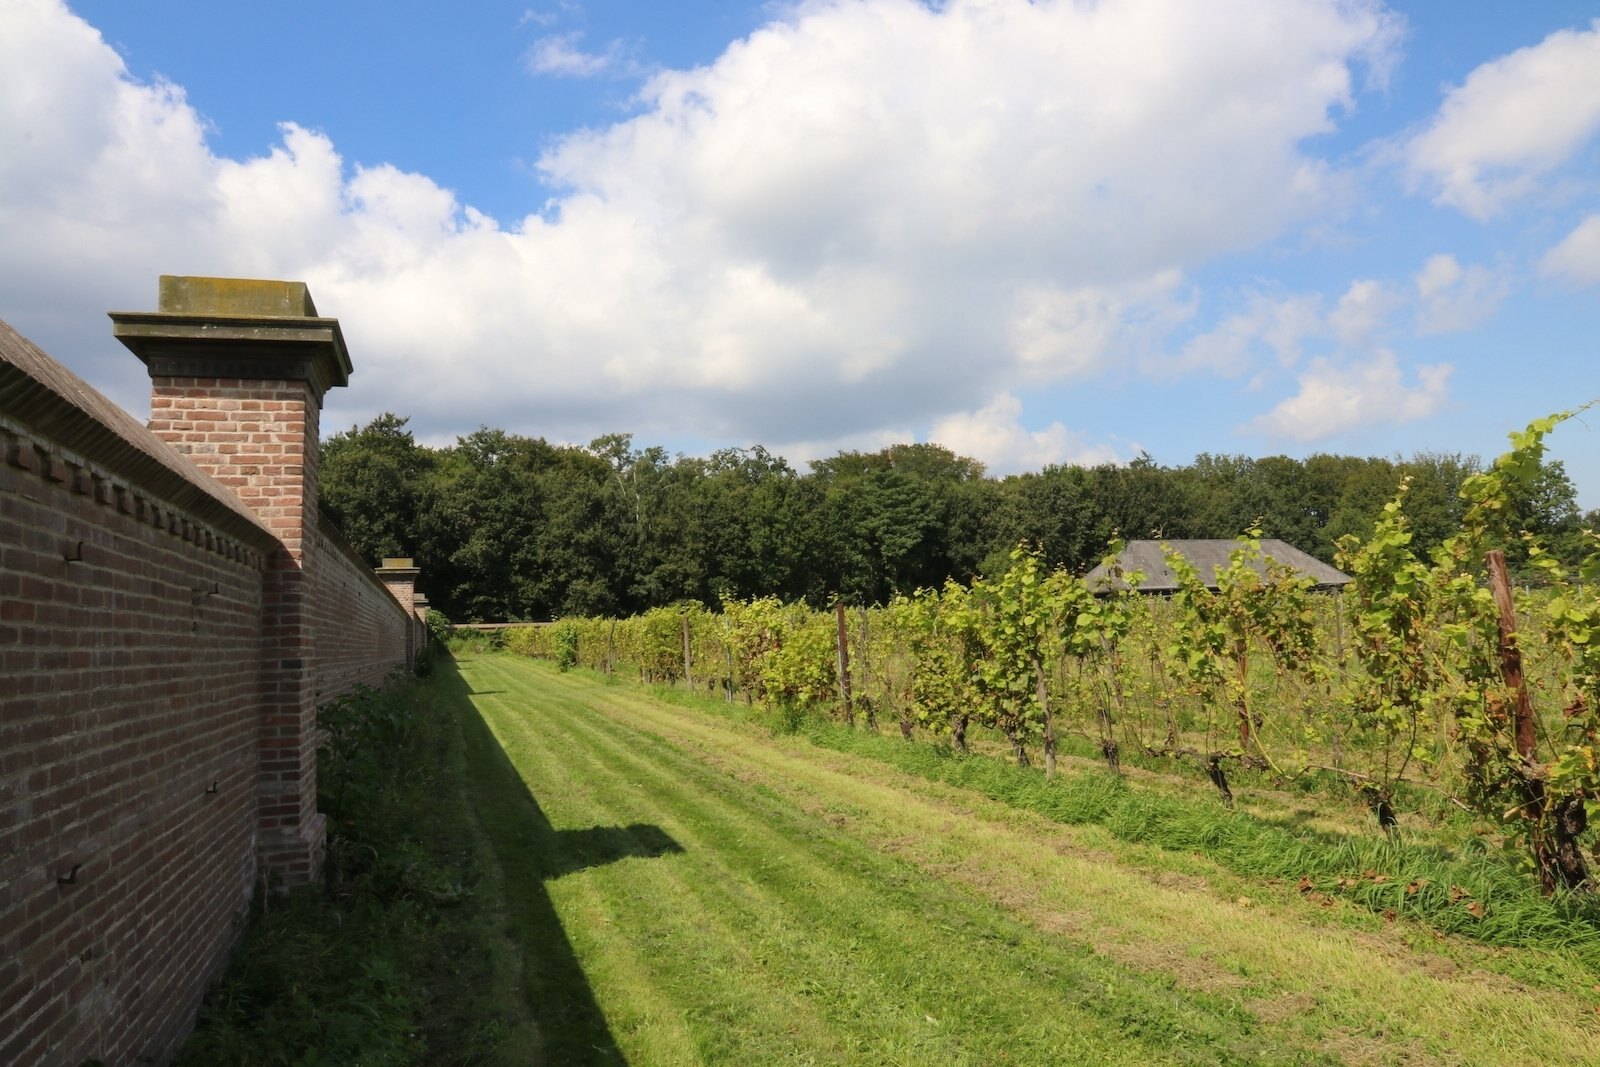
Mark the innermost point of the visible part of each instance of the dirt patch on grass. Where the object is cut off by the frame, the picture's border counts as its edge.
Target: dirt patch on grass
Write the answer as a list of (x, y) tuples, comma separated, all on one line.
[(1016, 895), (1364, 1050)]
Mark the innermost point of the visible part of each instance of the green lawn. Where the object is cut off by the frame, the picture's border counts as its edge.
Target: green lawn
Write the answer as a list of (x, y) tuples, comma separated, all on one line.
[(682, 886)]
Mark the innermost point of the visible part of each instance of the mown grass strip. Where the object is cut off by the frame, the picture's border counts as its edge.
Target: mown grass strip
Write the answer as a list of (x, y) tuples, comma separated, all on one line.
[(1361, 992), (813, 887), (1474, 894), (1480, 897), (767, 904)]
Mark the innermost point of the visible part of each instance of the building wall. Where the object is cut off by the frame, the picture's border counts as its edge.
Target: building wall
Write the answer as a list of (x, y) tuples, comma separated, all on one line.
[(141, 643)]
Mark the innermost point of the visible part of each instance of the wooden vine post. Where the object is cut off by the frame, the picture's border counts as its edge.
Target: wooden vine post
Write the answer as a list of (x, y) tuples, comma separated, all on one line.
[(1511, 659), (844, 663), (866, 668), (1556, 827), (1042, 695), (1241, 700), (688, 663)]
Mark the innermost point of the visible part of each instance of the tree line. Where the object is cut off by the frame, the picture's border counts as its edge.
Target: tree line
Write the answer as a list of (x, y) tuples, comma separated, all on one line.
[(508, 527)]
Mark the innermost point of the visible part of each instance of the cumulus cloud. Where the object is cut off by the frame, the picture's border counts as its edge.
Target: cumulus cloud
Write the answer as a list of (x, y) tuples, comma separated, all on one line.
[(1058, 332), (1363, 312), (1577, 257), (853, 219), (545, 17), (1347, 379), (1452, 298), (1276, 326), (1336, 397), (995, 435), (1513, 120), (560, 55)]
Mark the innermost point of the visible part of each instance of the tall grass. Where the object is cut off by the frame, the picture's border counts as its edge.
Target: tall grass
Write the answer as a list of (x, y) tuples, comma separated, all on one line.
[(385, 962)]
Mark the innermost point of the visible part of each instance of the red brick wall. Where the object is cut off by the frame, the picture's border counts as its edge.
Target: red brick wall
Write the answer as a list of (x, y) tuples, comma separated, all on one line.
[(157, 636), (258, 437), (361, 630), (129, 685)]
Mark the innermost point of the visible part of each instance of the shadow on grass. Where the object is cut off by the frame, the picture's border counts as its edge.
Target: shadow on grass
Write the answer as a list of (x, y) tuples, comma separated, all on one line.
[(530, 851), (576, 850)]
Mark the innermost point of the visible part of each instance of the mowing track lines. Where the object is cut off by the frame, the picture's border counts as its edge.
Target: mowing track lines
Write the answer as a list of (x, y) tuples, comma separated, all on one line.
[(642, 926), (1036, 997), (556, 995), (1363, 984), (775, 923), (791, 908)]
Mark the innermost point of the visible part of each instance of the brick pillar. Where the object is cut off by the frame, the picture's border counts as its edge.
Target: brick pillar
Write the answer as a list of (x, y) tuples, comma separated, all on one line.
[(238, 370), (400, 576)]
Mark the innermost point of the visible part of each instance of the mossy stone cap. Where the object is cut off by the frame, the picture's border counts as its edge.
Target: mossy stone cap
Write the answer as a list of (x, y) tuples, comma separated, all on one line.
[(184, 294), (236, 328)]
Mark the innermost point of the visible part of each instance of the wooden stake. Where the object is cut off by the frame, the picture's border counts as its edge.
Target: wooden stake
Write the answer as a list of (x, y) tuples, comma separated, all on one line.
[(688, 664), (865, 667), (844, 662), (1511, 657)]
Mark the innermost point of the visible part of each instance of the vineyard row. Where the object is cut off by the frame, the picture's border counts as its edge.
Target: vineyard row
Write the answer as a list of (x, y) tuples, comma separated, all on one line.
[(1426, 683)]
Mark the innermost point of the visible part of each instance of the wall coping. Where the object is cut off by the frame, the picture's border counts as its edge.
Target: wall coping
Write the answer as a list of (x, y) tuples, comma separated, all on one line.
[(336, 540), (40, 394), (236, 328)]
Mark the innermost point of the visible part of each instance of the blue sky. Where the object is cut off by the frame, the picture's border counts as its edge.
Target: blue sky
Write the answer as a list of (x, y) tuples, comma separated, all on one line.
[(1036, 233)]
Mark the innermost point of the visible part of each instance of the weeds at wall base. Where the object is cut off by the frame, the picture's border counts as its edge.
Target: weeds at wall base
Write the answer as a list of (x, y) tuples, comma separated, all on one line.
[(383, 963)]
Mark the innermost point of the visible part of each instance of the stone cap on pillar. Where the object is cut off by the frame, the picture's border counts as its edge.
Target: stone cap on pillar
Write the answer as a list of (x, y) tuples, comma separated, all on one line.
[(236, 328), (397, 567)]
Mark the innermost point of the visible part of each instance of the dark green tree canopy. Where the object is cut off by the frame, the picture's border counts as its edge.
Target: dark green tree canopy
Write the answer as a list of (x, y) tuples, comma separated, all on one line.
[(512, 527)]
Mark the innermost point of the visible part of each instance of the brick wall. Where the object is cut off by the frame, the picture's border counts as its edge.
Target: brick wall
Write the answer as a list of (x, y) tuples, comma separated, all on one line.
[(256, 433), (360, 636), (165, 627)]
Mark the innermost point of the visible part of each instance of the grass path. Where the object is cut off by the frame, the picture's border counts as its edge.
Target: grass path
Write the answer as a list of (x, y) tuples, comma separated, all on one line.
[(687, 888)]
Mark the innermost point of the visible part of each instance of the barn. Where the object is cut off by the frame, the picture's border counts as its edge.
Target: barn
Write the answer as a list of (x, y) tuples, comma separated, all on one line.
[(1207, 557)]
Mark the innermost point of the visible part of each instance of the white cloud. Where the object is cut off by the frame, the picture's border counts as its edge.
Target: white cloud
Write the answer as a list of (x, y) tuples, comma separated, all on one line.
[(856, 218), (1577, 257), (535, 17), (549, 16), (1277, 326), (801, 454), (1336, 397), (1278, 332), (994, 434), (1363, 312), (1513, 120), (1452, 298), (1075, 332), (559, 55)]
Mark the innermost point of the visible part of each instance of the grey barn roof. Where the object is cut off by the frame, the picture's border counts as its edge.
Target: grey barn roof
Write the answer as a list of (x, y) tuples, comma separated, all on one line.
[(1208, 557)]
